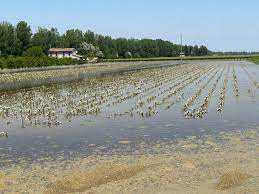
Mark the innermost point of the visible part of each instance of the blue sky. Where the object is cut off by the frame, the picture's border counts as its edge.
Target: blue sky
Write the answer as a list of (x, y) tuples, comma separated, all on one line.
[(225, 25)]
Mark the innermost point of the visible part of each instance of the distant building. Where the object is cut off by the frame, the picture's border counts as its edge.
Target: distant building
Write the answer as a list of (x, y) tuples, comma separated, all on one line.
[(182, 54), (64, 53)]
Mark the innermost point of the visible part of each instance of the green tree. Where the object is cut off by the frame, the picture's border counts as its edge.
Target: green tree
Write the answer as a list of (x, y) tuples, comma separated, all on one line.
[(34, 52), (90, 37), (122, 46), (45, 38), (196, 50), (72, 38), (203, 51), (190, 50), (16, 40), (186, 50), (23, 34), (7, 39)]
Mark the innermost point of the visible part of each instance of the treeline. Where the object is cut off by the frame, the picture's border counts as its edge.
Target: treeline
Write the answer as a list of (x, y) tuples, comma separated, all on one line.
[(235, 53), (16, 40)]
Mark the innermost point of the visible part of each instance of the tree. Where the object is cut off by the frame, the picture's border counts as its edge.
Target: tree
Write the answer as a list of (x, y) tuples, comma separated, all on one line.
[(99, 54), (23, 34), (45, 38), (72, 38), (16, 40), (203, 51), (128, 55), (7, 39), (90, 50), (89, 37), (122, 46), (196, 50), (190, 50), (87, 49), (34, 52), (186, 50)]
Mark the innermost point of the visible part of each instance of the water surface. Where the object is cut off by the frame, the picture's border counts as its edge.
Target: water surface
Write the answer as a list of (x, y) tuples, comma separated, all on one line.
[(121, 112)]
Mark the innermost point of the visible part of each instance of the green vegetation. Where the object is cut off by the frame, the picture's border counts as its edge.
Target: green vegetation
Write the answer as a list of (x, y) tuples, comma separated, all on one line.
[(237, 57), (29, 61), (20, 48), (254, 59), (34, 52), (15, 40)]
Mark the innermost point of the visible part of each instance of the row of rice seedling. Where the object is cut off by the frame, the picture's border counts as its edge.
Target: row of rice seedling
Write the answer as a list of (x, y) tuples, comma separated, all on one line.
[(140, 94), (176, 87), (186, 108), (182, 87), (206, 101), (235, 82), (44, 106), (87, 105), (148, 89), (147, 106), (222, 97)]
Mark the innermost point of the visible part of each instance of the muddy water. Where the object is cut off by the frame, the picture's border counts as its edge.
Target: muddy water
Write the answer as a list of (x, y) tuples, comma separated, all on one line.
[(118, 114)]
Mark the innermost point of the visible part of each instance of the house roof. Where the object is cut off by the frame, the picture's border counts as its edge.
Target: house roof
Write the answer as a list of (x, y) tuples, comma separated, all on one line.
[(61, 49)]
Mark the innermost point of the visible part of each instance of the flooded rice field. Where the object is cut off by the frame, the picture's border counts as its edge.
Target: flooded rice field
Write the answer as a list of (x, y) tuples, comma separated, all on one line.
[(191, 127)]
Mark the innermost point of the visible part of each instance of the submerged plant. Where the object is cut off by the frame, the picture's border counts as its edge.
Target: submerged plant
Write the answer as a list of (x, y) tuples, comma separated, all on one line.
[(82, 181), (232, 179)]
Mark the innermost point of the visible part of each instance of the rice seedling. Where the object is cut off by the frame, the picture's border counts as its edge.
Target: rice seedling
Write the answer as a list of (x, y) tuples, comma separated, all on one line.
[(143, 93), (4, 134), (223, 92), (204, 106), (236, 90), (191, 100), (180, 88)]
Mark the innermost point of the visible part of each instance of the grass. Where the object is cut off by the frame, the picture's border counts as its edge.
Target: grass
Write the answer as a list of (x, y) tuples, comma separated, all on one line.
[(178, 58), (254, 59), (232, 179), (82, 181)]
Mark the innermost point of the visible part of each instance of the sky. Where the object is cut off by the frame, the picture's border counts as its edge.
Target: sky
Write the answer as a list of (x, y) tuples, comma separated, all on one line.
[(221, 25)]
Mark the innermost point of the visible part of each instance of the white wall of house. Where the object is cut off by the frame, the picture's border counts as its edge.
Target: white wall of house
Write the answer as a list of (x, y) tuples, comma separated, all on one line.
[(63, 54)]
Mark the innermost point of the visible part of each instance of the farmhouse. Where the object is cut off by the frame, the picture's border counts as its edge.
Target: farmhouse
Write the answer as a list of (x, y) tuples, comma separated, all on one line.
[(64, 53), (182, 54)]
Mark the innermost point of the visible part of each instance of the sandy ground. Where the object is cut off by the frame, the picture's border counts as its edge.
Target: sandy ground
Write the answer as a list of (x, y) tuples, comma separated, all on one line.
[(227, 163)]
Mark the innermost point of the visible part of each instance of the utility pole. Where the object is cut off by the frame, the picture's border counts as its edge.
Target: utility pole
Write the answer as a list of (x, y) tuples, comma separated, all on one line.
[(181, 43), (181, 53)]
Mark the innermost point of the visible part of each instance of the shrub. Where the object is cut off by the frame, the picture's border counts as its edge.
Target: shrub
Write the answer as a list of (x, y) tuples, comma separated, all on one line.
[(28, 61), (34, 52)]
